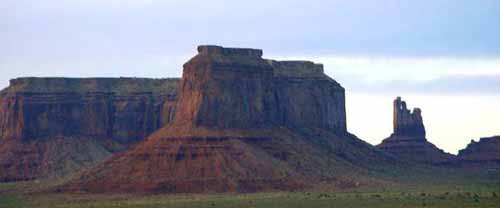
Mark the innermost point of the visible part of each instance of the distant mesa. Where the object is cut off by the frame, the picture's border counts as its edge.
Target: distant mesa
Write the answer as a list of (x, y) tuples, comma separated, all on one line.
[(485, 151), (408, 140), (52, 127), (235, 122)]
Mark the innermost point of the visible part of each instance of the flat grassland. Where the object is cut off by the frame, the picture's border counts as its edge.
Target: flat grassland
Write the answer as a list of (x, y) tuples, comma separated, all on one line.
[(408, 197)]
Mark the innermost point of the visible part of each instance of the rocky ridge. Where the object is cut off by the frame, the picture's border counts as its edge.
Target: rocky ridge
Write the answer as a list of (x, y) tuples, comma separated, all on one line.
[(486, 150)]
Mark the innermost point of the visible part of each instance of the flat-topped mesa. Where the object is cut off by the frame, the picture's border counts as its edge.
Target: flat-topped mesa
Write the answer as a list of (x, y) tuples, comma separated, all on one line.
[(241, 128), (237, 88), (124, 109), (117, 86), (218, 50), (51, 127), (405, 122), (297, 69)]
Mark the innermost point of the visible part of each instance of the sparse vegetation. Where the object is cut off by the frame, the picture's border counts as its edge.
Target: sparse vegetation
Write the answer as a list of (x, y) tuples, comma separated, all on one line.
[(288, 200), (397, 196)]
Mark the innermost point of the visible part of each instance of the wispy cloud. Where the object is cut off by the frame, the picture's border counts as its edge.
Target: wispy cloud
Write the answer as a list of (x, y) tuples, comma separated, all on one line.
[(359, 41), (389, 75), (446, 85)]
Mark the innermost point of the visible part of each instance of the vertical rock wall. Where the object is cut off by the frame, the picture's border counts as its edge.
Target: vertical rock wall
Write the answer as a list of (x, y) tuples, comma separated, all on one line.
[(226, 88), (407, 123), (52, 127), (236, 88), (34, 108)]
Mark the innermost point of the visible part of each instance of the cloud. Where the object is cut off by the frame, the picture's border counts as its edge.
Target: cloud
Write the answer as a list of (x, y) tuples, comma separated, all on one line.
[(447, 85), (389, 75), (151, 66), (359, 41), (415, 75)]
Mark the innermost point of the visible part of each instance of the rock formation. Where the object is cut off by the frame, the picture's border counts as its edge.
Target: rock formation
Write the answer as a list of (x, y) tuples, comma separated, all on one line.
[(485, 151), (408, 140), (406, 122), (236, 88), (54, 126), (243, 124)]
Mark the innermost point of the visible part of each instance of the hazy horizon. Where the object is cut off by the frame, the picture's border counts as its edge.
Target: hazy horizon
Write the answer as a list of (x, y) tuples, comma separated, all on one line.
[(442, 56)]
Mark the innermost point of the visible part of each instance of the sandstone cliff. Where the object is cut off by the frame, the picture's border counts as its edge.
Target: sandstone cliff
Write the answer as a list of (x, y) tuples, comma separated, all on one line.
[(244, 124), (408, 141), (486, 150), (234, 88), (53, 126)]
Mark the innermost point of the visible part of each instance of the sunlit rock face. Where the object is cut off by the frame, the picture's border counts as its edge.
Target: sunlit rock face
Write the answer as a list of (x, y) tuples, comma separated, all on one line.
[(408, 140)]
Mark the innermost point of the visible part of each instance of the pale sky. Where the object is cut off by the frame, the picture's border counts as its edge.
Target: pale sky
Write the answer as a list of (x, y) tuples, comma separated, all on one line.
[(440, 55)]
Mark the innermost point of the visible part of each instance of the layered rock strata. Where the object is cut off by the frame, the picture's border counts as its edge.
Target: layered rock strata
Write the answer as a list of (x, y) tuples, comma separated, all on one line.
[(236, 88), (243, 124), (54, 126)]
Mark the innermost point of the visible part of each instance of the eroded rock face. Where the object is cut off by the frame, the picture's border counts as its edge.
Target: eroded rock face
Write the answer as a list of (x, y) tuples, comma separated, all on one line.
[(243, 124), (406, 122), (105, 114), (31, 108), (236, 88), (486, 150), (215, 77), (306, 97), (408, 140)]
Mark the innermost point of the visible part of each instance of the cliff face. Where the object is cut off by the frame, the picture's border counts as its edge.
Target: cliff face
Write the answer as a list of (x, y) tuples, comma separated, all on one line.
[(236, 88), (306, 97), (214, 77), (32, 108), (408, 140), (243, 124), (486, 150), (107, 114)]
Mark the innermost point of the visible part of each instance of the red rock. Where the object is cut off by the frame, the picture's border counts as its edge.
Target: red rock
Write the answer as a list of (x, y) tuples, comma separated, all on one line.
[(243, 124), (236, 88), (47, 124)]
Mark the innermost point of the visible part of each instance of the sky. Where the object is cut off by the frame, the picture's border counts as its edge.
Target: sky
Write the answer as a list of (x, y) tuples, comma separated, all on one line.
[(440, 55)]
